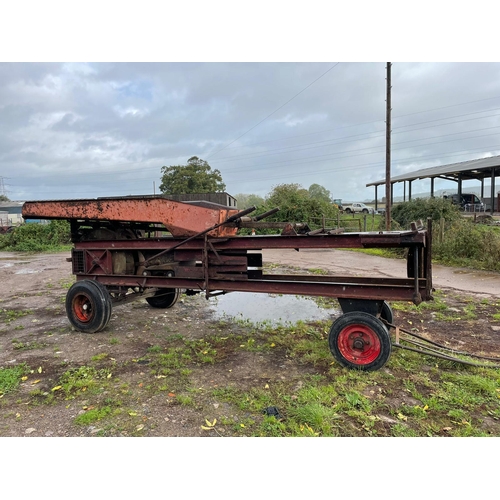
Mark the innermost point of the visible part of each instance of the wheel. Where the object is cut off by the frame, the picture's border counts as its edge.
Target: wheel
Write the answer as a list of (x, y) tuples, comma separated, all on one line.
[(164, 298), (386, 314), (360, 341), (365, 211), (88, 306), (106, 295), (347, 210)]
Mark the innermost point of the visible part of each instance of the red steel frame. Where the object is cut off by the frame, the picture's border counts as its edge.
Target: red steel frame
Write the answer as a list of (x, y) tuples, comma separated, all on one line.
[(205, 254), (226, 264)]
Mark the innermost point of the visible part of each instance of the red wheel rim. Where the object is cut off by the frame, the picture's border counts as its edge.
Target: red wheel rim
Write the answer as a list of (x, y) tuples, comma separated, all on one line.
[(82, 307), (359, 344)]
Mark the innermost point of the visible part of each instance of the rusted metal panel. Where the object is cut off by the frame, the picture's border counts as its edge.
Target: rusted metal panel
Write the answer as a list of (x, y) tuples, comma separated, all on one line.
[(181, 219), (98, 262)]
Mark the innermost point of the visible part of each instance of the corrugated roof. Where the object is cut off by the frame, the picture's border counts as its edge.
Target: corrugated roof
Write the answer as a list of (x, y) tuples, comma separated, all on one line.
[(476, 169)]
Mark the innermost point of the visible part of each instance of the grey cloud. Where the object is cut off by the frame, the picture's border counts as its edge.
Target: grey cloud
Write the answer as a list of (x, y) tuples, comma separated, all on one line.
[(107, 128)]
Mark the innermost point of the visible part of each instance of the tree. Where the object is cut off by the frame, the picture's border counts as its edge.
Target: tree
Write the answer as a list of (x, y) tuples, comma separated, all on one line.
[(195, 177), (249, 200), (296, 205), (319, 192), (3, 198)]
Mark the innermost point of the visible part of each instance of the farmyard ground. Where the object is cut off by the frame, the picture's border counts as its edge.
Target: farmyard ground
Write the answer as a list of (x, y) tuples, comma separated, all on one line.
[(140, 394)]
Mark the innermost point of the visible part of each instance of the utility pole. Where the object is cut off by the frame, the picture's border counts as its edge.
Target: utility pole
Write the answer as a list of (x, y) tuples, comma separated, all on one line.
[(2, 187), (388, 197)]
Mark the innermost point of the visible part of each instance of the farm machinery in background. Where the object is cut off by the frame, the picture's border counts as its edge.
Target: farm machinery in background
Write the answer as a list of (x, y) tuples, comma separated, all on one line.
[(153, 248)]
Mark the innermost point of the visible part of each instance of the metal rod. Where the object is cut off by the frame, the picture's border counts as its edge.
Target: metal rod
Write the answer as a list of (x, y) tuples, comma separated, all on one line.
[(443, 356), (266, 214)]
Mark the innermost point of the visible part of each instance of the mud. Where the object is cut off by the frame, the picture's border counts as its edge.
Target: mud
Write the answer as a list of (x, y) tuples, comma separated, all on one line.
[(34, 330)]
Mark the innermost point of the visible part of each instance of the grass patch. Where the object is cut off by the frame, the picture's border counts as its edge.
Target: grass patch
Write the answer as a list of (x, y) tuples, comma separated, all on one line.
[(9, 315), (10, 378), (93, 415), (85, 379), (27, 346)]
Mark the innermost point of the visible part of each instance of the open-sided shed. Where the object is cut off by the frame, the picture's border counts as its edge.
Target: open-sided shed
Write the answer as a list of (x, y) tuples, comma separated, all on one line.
[(480, 169)]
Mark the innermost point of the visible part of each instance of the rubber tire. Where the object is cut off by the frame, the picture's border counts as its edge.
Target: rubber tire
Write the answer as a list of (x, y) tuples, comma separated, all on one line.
[(88, 306), (355, 325), (386, 314), (107, 296), (347, 210), (365, 211), (164, 298)]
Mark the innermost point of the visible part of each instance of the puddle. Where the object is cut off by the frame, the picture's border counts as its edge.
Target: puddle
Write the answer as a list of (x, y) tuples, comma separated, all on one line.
[(272, 309), (26, 271)]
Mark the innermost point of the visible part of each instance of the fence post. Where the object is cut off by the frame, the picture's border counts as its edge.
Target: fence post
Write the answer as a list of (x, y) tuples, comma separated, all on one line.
[(441, 230), (364, 223)]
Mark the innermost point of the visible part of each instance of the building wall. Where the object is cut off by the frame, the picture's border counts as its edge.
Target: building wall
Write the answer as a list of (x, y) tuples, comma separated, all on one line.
[(13, 211)]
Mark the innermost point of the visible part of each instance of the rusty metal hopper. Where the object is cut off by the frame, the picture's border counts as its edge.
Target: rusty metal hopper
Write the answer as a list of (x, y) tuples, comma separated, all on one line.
[(180, 218)]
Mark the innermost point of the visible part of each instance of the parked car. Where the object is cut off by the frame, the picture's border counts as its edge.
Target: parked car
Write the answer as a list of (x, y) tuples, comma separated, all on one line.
[(356, 208), (468, 201)]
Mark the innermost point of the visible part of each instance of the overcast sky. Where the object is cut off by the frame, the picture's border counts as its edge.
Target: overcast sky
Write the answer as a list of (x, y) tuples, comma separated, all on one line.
[(89, 129)]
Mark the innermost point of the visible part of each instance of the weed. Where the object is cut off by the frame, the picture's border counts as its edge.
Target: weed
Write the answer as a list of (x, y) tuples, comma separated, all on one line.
[(155, 349), (185, 400), (99, 357), (66, 283), (9, 315), (315, 270), (10, 378), (94, 415), (27, 346), (316, 416), (79, 380)]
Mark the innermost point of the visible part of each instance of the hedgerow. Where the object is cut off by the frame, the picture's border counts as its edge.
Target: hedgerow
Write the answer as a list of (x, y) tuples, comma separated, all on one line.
[(35, 237)]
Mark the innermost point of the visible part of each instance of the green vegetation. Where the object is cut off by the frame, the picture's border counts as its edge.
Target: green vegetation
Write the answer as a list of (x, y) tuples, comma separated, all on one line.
[(414, 395), (11, 377), (51, 237), (296, 205), (403, 214), (195, 177), (457, 241), (76, 381), (94, 415), (27, 346), (445, 400), (9, 315)]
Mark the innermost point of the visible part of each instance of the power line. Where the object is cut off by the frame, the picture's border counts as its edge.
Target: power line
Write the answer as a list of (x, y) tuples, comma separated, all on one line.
[(227, 158), (276, 110), (376, 121), (330, 143)]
